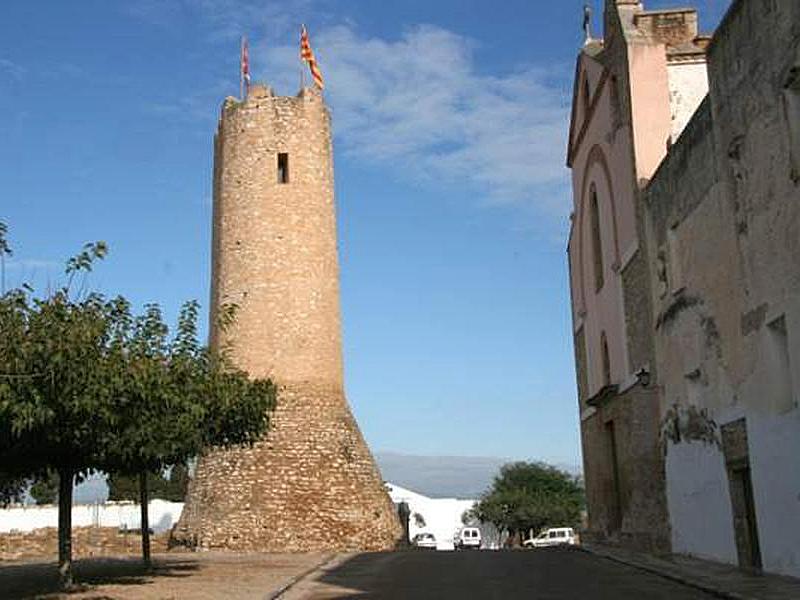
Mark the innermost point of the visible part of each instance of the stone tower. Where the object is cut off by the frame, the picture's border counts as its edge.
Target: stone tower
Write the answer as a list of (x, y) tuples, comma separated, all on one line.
[(311, 484)]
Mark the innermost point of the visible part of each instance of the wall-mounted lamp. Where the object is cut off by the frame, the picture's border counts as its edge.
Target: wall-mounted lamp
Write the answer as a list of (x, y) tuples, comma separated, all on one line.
[(643, 377)]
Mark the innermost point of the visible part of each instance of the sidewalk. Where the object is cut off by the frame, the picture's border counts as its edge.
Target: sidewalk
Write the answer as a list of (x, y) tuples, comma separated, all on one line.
[(721, 580)]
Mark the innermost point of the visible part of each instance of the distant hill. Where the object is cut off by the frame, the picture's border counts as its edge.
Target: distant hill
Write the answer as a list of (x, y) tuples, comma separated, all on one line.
[(440, 476), (433, 476), (444, 476)]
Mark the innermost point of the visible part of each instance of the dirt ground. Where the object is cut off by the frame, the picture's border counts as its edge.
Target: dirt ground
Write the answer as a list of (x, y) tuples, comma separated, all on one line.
[(200, 576)]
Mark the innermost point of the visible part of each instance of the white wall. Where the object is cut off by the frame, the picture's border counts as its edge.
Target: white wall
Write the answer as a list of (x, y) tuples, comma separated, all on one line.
[(775, 468), (163, 515), (699, 502), (442, 515), (688, 85)]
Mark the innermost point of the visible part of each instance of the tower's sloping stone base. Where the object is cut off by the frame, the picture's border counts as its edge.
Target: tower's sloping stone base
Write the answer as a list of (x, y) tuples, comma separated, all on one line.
[(310, 485)]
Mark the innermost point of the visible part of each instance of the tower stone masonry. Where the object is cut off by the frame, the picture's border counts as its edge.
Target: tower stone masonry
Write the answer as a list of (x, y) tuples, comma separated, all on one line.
[(312, 483)]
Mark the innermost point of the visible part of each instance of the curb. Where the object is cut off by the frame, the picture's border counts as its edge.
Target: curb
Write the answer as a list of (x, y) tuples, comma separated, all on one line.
[(693, 583), (298, 578)]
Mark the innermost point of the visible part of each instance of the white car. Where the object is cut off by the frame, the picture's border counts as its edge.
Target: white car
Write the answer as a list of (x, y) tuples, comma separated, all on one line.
[(556, 536), (424, 540), (469, 538)]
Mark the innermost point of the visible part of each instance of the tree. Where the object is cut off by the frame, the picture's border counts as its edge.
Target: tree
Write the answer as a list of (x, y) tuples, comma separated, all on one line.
[(55, 404), (85, 386), (12, 489), (174, 399), (44, 490), (533, 496)]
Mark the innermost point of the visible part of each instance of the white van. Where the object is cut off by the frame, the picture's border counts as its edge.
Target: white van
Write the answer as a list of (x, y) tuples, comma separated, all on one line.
[(552, 537), (469, 538)]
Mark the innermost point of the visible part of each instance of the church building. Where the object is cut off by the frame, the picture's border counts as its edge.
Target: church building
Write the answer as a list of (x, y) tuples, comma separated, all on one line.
[(684, 256)]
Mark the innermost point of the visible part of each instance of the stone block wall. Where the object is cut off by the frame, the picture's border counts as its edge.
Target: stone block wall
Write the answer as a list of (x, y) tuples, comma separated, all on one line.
[(631, 510)]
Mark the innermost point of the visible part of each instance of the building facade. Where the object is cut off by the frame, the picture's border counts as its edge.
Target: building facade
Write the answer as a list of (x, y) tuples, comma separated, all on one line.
[(684, 265), (634, 91), (312, 483), (723, 220)]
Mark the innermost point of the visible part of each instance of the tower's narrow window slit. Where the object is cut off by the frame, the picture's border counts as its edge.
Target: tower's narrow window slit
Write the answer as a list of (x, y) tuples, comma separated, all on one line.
[(283, 167)]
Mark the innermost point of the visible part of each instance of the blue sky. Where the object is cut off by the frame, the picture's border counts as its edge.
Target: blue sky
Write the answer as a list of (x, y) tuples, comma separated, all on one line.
[(450, 125)]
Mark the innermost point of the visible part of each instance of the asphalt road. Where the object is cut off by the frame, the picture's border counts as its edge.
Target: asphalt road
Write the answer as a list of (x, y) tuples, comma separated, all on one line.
[(543, 574)]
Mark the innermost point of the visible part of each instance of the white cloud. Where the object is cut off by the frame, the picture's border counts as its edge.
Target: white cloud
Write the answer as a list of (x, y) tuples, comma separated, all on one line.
[(419, 103), (11, 69)]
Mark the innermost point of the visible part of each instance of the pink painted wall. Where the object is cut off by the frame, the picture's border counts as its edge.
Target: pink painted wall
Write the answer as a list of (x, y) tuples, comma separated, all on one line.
[(604, 160), (617, 155)]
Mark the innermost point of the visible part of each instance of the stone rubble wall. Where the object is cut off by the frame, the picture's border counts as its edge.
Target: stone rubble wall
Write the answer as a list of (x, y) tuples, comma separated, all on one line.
[(86, 542), (311, 485)]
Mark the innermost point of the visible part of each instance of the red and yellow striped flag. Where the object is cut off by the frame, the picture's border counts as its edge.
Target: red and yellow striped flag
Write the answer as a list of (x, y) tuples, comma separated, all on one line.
[(307, 54)]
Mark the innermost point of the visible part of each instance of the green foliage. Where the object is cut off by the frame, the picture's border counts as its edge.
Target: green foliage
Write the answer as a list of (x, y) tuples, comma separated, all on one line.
[(173, 398), (55, 401), (44, 489), (123, 487), (12, 489), (170, 487), (533, 496)]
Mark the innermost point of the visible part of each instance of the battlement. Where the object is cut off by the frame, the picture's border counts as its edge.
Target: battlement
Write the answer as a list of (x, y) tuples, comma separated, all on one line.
[(671, 27)]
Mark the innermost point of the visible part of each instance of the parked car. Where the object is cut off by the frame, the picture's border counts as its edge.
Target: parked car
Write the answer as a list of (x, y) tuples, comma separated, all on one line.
[(424, 540), (556, 536), (469, 538)]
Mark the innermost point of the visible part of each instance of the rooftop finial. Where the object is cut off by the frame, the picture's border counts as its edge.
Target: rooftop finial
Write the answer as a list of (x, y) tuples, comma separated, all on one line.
[(587, 23)]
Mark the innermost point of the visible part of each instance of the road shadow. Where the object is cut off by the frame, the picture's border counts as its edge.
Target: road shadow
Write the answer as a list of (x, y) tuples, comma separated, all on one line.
[(543, 574), (40, 579)]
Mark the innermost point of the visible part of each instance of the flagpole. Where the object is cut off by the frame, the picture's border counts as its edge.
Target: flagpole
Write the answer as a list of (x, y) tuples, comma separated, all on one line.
[(241, 70)]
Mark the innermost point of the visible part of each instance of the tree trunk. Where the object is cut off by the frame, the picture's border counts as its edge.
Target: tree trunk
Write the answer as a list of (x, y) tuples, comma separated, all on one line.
[(144, 501), (65, 480)]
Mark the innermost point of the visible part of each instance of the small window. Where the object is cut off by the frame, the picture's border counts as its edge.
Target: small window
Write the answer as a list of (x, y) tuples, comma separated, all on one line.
[(283, 167)]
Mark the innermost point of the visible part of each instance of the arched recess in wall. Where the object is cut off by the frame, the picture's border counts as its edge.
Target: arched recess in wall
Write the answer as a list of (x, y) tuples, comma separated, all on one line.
[(596, 156), (597, 239), (606, 358)]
